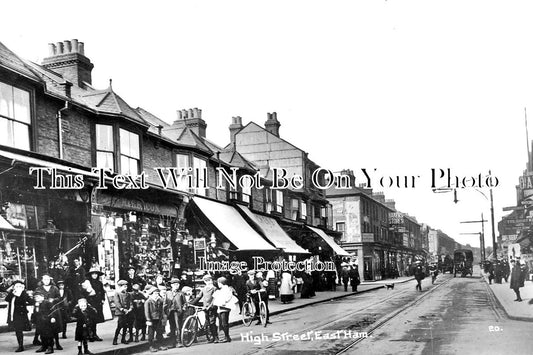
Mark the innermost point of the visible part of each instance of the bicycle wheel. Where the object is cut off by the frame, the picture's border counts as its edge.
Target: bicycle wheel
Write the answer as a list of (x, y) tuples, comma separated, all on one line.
[(247, 314), (263, 313), (189, 330)]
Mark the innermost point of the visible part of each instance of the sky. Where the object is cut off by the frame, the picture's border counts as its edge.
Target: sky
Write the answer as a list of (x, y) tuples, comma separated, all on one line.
[(398, 86)]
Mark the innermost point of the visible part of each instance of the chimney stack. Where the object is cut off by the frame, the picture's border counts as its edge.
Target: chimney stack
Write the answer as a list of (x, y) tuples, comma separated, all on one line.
[(234, 127), (68, 60), (191, 118), (272, 124)]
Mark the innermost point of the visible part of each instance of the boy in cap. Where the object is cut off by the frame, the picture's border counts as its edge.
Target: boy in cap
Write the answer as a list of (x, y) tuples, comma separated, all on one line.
[(132, 279), (138, 299), (44, 318), (65, 299), (176, 302), (153, 311), (123, 308), (85, 316)]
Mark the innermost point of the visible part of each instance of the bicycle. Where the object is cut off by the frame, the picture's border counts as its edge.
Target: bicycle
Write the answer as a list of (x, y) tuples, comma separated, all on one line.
[(248, 311), (194, 326)]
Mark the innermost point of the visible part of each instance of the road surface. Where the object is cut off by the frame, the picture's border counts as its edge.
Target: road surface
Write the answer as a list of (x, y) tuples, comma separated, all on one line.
[(454, 316)]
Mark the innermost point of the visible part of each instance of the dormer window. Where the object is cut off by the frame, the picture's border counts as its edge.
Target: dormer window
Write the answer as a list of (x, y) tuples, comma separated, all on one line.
[(15, 117)]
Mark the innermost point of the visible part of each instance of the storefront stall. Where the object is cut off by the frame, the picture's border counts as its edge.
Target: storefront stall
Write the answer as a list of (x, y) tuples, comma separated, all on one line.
[(132, 231)]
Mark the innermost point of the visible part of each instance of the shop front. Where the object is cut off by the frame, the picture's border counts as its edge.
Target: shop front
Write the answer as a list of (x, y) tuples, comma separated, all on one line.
[(221, 235), (40, 230), (134, 231)]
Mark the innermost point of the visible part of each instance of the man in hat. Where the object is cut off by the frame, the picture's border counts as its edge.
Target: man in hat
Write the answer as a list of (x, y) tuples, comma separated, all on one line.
[(175, 302), (76, 277), (206, 297), (345, 275), (132, 279), (419, 274), (153, 312), (123, 309)]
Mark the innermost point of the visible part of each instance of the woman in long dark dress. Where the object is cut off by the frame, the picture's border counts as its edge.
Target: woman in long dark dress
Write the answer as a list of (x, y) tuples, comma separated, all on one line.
[(307, 287), (17, 315), (95, 296)]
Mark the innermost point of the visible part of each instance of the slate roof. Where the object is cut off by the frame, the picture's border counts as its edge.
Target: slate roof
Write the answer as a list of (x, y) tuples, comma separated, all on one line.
[(153, 120), (234, 158), (11, 61)]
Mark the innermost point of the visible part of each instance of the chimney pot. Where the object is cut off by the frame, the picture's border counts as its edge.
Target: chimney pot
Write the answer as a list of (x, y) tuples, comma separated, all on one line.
[(67, 46), (195, 112), (51, 49), (59, 48), (81, 48), (190, 113), (74, 43), (64, 61), (184, 114), (179, 114)]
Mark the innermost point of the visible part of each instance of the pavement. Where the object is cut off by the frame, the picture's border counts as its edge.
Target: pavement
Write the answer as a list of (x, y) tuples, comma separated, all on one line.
[(106, 330), (506, 297)]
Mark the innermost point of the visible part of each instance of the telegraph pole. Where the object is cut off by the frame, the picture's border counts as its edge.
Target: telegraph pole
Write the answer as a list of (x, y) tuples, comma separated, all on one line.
[(481, 236)]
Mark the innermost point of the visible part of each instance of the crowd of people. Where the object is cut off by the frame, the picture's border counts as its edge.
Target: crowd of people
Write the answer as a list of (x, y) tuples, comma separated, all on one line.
[(142, 307), (500, 271)]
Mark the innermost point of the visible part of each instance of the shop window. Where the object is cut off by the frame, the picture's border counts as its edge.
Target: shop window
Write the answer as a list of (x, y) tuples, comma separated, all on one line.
[(129, 152), (105, 151), (15, 118), (279, 201)]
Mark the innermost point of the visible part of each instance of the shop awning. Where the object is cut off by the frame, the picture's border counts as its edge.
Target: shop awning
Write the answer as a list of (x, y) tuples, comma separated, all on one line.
[(5, 225), (230, 223), (336, 248), (45, 164), (273, 232)]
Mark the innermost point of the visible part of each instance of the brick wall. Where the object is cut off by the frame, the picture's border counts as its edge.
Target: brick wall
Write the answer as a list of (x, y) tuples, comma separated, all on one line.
[(76, 127), (155, 157)]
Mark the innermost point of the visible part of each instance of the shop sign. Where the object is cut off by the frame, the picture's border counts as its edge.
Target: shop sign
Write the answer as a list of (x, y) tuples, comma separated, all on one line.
[(395, 218), (199, 249), (367, 237), (136, 205)]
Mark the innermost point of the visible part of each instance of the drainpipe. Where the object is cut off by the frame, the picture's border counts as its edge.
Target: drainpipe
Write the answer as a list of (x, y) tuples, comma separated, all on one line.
[(60, 129)]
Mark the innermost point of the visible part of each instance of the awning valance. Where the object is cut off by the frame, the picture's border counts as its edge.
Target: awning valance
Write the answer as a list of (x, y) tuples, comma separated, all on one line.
[(336, 248), (273, 232), (5, 225), (35, 162), (232, 225)]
